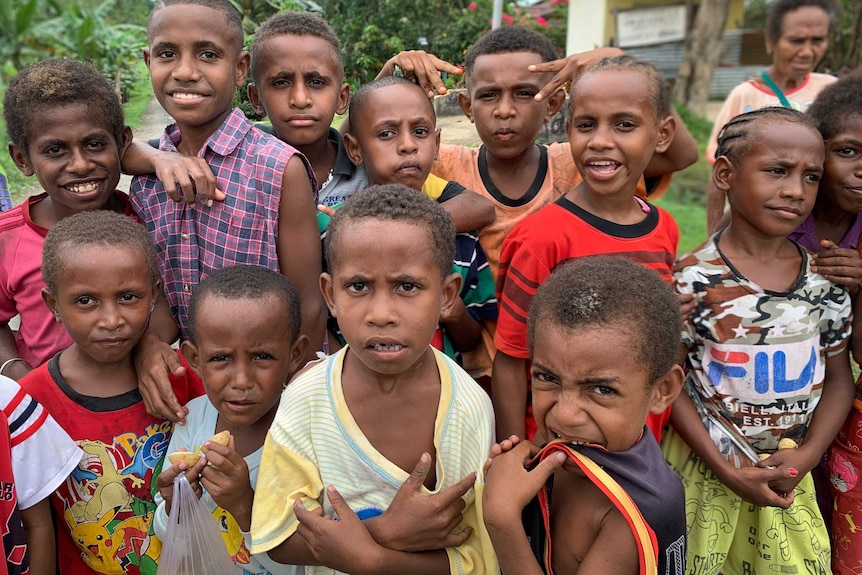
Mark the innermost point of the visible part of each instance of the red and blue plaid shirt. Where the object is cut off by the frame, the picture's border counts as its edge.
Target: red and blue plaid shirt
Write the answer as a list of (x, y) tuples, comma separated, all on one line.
[(194, 241)]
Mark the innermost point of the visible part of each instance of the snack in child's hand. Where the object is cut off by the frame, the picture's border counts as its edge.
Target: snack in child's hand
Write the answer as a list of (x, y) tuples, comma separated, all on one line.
[(787, 443), (221, 438), (192, 457), (189, 457)]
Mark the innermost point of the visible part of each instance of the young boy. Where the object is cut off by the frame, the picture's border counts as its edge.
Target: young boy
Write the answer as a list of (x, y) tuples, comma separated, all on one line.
[(614, 506), (245, 344), (618, 118), (344, 422), (102, 279), (510, 169), (299, 83), (394, 136), (196, 61), (36, 456), (66, 127)]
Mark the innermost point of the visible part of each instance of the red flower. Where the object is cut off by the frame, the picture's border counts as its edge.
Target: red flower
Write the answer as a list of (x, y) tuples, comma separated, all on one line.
[(508, 19), (540, 20), (471, 6)]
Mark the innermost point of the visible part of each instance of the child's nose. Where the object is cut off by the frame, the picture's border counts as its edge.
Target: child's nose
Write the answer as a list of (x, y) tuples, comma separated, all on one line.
[(300, 96), (407, 143), (186, 70), (80, 162), (380, 311), (601, 138), (110, 318), (505, 107)]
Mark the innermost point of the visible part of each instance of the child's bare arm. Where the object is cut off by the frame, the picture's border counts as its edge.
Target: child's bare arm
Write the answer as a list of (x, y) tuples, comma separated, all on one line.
[(829, 415), (614, 549), (470, 211), (8, 351), (346, 545), (39, 534), (750, 483), (154, 360), (299, 249), (184, 177), (461, 327), (509, 394), (508, 489)]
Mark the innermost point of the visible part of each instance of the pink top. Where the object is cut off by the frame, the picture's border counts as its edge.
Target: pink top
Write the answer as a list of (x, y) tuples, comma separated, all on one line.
[(40, 335), (750, 96)]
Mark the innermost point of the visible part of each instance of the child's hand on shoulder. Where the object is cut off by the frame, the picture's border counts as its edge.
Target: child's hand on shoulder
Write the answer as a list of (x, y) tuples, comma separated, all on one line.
[(225, 477), (165, 480), (339, 541), (754, 484), (418, 522), (509, 486), (187, 178), (839, 265)]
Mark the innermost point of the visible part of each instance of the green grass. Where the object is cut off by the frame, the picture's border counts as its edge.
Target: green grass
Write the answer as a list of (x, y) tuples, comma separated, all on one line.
[(690, 217)]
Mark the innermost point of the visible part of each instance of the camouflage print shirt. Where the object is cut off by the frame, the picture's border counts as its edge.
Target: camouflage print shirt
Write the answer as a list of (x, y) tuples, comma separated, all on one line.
[(756, 358)]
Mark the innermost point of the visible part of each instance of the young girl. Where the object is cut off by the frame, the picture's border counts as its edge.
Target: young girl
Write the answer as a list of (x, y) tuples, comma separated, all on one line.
[(102, 280), (834, 228), (619, 116), (769, 379)]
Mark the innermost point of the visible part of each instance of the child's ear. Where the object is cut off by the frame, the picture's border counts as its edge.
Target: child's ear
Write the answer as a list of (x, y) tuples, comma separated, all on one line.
[(243, 61), (466, 105), (125, 140), (254, 98), (667, 389), (157, 293), (555, 102), (451, 291), (436, 142), (666, 131), (326, 289), (146, 53), (51, 301), (353, 151), (343, 99), (22, 162), (723, 172), (297, 354), (190, 352)]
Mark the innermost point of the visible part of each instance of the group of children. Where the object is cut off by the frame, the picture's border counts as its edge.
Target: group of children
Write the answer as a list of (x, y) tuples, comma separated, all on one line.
[(383, 455)]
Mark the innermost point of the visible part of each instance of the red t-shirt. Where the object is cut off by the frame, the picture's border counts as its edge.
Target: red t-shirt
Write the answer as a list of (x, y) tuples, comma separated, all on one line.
[(105, 507)]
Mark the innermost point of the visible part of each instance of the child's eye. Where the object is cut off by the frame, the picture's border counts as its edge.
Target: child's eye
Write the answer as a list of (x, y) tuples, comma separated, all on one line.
[(217, 358), (776, 171), (385, 134), (166, 54), (281, 83), (52, 150), (421, 131), (316, 82), (357, 287), (604, 390), (525, 94), (263, 356), (847, 152), (626, 125), (584, 126), (408, 287), (95, 145), (487, 96), (84, 300), (814, 178), (209, 55), (543, 377), (129, 297)]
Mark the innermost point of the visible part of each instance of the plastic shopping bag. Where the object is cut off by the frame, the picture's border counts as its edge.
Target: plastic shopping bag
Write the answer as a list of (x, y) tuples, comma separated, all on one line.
[(193, 544)]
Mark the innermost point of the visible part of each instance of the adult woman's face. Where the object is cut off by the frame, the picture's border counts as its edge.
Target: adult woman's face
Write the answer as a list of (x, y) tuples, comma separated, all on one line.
[(803, 42)]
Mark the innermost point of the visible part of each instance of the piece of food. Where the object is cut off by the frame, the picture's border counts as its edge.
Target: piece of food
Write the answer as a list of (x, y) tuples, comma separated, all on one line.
[(188, 456), (221, 438), (787, 443)]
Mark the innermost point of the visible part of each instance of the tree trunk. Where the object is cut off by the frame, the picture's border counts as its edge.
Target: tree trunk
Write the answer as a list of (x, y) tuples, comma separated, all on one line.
[(702, 50)]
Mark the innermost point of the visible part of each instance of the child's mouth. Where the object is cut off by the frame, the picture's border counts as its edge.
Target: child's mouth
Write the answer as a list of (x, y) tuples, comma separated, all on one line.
[(185, 96), (385, 347), (83, 188), (605, 167)]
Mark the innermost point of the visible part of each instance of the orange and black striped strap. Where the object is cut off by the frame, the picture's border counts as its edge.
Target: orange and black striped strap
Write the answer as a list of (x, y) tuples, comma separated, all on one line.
[(645, 538)]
